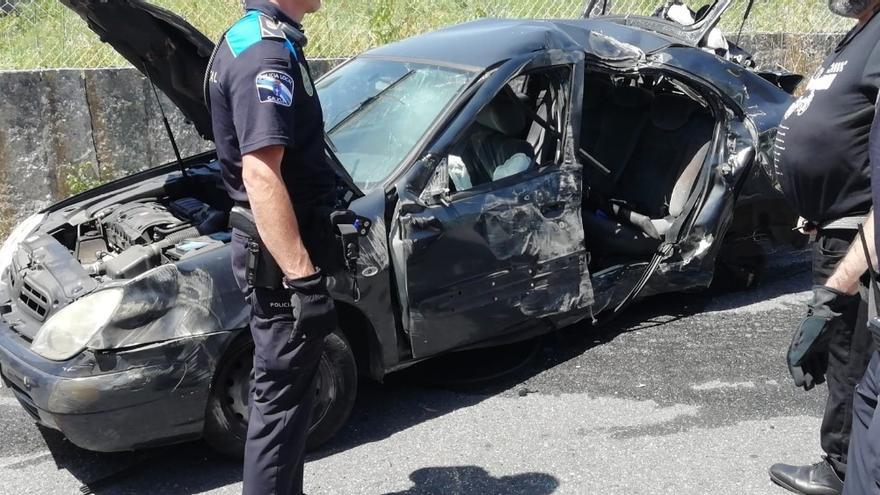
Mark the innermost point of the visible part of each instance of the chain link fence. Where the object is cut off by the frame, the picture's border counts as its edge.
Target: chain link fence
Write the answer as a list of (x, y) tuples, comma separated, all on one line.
[(37, 34)]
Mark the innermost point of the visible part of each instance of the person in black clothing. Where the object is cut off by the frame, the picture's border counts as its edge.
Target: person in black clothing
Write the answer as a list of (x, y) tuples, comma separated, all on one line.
[(269, 131), (864, 449), (823, 166)]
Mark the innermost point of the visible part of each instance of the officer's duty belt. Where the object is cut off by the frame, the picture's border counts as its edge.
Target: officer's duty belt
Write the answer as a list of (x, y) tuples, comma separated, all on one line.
[(845, 223)]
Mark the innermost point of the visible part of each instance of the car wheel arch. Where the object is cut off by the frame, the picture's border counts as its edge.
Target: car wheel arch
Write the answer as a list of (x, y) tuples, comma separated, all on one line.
[(225, 426), (362, 338), (358, 330)]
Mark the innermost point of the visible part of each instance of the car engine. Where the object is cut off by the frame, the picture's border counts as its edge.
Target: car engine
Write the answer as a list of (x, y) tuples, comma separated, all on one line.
[(147, 222), (127, 239)]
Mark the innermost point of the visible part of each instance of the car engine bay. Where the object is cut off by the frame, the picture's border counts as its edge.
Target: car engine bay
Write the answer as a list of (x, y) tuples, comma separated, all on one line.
[(127, 239), (115, 237)]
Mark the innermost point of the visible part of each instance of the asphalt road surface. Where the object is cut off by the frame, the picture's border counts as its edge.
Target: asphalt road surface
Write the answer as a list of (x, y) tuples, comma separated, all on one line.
[(688, 394)]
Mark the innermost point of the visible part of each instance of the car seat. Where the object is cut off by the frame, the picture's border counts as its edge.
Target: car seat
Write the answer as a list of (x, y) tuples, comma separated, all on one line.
[(621, 122), (658, 181), (494, 148), (677, 135)]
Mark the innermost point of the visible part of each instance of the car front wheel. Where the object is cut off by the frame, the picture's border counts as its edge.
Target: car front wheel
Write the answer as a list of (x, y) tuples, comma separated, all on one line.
[(227, 411)]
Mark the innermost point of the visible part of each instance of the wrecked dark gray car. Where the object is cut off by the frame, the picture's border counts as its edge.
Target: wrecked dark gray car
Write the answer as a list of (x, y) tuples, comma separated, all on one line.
[(518, 176)]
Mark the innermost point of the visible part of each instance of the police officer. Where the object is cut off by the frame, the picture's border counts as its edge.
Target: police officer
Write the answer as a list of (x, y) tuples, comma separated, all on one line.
[(863, 473), (268, 128), (822, 157)]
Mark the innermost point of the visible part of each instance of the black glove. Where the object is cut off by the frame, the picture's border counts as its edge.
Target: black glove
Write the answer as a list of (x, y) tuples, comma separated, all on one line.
[(808, 353), (313, 309)]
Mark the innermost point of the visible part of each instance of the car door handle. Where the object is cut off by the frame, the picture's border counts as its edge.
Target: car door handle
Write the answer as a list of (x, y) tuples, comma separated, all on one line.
[(553, 209), (425, 223)]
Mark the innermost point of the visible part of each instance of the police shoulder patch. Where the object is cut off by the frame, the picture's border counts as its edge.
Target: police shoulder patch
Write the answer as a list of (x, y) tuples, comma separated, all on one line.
[(270, 28), (275, 86)]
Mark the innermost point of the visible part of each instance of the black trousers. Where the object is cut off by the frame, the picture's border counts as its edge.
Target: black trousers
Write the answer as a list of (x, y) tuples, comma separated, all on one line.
[(849, 352), (863, 472), (286, 360)]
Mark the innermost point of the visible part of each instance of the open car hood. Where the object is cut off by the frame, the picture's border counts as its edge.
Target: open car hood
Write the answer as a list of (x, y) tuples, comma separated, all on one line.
[(692, 34), (170, 52), (162, 45)]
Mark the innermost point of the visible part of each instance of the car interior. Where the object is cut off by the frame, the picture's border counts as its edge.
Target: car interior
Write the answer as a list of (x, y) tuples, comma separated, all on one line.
[(643, 141), (518, 131)]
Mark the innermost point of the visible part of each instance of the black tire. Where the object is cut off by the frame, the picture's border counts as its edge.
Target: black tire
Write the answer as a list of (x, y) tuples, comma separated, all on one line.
[(739, 266), (226, 413)]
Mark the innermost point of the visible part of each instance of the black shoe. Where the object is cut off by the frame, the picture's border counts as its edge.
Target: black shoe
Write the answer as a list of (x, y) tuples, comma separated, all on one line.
[(818, 479)]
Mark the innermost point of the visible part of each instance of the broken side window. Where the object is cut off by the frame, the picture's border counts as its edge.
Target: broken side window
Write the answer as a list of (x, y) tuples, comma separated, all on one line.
[(518, 131)]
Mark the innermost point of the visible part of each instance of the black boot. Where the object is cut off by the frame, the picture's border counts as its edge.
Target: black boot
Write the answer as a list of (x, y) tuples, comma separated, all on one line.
[(817, 479)]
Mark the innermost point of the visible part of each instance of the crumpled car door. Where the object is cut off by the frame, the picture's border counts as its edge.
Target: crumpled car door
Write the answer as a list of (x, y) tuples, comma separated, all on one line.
[(489, 263)]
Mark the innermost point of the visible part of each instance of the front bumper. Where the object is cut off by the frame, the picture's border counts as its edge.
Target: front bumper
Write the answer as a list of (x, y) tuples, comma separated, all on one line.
[(153, 395)]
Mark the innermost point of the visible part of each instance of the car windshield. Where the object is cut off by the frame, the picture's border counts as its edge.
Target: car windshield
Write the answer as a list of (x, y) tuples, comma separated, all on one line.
[(376, 111)]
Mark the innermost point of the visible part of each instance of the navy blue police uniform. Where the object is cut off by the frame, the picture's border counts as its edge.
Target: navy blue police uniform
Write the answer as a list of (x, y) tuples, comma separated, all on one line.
[(863, 471), (261, 94)]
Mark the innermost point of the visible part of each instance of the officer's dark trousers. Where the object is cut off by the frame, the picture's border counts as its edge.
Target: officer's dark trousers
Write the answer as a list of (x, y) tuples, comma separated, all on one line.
[(863, 468), (282, 388), (849, 352)]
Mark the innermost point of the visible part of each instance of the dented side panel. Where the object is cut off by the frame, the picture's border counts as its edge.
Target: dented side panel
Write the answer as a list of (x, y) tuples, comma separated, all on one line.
[(504, 255), (692, 261), (374, 286), (491, 261)]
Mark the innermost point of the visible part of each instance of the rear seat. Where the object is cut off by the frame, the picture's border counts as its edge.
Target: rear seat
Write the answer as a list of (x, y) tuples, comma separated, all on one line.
[(620, 118), (658, 179), (677, 135)]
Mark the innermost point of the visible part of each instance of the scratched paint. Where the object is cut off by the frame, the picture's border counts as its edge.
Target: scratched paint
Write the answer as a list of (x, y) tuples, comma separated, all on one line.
[(374, 250), (162, 304)]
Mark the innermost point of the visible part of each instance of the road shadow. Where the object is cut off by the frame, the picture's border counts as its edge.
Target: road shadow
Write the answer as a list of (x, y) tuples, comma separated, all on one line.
[(474, 480), (174, 470), (430, 390), (790, 278), (447, 383)]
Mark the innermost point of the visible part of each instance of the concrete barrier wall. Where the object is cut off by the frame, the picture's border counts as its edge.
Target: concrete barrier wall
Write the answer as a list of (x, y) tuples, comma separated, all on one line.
[(64, 130)]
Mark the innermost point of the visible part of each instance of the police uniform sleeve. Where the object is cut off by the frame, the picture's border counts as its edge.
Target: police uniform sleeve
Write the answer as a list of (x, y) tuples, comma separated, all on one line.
[(260, 92), (871, 74)]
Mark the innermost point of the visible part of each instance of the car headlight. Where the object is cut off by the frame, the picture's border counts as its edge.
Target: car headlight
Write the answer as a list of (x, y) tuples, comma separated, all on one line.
[(68, 331), (18, 234)]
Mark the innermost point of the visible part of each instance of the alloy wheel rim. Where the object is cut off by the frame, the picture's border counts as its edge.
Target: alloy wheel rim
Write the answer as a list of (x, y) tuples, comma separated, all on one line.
[(236, 395)]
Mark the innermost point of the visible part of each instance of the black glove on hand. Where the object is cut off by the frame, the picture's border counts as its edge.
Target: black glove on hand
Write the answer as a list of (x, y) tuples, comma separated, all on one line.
[(313, 309), (808, 353)]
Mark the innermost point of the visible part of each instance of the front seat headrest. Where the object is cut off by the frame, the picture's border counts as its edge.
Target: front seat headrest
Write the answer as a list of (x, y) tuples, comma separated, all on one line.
[(671, 112), (504, 114)]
